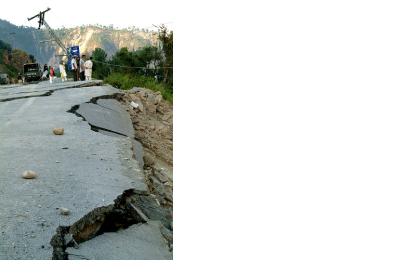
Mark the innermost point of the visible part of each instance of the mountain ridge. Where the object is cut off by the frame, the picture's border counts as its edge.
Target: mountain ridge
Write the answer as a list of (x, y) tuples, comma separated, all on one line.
[(88, 37)]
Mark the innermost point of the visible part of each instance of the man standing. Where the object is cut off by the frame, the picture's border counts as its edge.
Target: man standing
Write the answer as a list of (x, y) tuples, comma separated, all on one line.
[(74, 68), (88, 69), (45, 71), (77, 61), (62, 72), (51, 74), (82, 68)]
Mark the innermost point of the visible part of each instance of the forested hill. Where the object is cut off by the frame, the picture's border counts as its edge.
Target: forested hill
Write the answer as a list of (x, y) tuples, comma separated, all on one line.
[(12, 60), (87, 37)]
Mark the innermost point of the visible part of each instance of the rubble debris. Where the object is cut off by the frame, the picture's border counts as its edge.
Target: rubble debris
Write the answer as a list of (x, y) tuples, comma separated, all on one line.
[(134, 105), (59, 244), (144, 241), (29, 174), (148, 161), (64, 211), (131, 207), (58, 131), (153, 124), (154, 130), (140, 213), (152, 121), (159, 174)]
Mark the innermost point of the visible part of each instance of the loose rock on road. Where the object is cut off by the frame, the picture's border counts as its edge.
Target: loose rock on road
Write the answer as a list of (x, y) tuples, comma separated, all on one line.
[(79, 170)]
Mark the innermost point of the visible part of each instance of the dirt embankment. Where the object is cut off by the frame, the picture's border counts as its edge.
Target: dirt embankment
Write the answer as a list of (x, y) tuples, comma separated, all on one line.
[(152, 120)]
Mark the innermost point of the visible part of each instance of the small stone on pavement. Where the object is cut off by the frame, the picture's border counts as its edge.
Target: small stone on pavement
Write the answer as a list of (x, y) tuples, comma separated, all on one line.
[(58, 131), (64, 211), (29, 174)]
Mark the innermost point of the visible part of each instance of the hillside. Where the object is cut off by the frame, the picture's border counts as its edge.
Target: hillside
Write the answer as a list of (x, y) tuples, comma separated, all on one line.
[(87, 37), (12, 60)]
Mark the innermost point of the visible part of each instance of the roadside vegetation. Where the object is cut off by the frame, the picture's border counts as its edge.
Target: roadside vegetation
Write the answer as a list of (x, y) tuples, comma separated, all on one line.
[(12, 60), (128, 81), (150, 67)]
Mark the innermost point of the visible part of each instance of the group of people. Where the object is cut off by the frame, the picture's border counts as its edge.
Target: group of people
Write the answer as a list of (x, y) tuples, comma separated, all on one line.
[(82, 70), (50, 73)]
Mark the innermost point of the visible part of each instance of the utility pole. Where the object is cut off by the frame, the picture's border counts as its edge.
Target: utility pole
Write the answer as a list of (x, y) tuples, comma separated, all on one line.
[(41, 22), (40, 16)]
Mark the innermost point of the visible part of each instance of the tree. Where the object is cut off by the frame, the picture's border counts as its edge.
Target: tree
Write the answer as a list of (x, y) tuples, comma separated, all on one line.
[(166, 38), (125, 58), (5, 46), (18, 58), (100, 69), (99, 55), (149, 57), (12, 60)]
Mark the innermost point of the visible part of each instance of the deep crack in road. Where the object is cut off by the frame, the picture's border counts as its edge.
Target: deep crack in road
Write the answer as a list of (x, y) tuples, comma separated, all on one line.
[(80, 170)]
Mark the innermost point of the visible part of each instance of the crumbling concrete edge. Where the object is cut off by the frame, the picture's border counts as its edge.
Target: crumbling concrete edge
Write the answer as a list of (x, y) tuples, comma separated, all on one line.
[(123, 213), (50, 92)]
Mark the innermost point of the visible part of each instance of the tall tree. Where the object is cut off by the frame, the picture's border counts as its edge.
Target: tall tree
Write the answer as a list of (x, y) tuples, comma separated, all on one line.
[(149, 57), (125, 58), (100, 69), (166, 38)]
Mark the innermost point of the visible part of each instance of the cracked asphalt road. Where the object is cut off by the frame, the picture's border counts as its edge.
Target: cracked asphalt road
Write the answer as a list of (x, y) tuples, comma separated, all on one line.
[(80, 170)]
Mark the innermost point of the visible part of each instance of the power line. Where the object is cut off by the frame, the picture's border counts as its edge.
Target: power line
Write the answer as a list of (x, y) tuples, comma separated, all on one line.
[(132, 67), (42, 22)]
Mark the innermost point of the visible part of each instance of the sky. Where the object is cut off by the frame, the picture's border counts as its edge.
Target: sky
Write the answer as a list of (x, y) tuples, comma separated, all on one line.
[(120, 13)]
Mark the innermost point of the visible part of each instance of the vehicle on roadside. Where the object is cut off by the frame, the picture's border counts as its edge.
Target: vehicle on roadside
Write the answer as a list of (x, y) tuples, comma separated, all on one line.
[(4, 79), (32, 72)]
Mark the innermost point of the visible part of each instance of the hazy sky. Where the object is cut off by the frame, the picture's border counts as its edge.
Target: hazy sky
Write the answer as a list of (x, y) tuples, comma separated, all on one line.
[(120, 13)]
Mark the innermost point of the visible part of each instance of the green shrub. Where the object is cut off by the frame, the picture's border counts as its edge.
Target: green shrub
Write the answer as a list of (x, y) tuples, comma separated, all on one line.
[(128, 81)]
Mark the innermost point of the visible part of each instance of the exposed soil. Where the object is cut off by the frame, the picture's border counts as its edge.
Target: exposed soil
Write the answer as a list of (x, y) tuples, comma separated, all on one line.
[(152, 120), (131, 207)]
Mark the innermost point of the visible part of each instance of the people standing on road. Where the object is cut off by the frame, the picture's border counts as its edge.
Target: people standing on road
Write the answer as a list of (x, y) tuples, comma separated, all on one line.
[(51, 74), (63, 72), (77, 60), (74, 68), (88, 69), (45, 71), (82, 68)]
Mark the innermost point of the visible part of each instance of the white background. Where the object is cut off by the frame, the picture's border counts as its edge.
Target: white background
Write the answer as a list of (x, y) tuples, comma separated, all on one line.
[(119, 13), (291, 144)]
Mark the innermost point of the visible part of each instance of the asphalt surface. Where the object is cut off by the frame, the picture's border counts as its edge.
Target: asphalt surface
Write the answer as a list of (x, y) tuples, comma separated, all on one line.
[(140, 241), (80, 170)]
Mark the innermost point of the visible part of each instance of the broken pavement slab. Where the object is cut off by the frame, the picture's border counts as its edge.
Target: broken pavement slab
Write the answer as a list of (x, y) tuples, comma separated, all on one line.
[(105, 118), (131, 208), (41, 89), (109, 117), (138, 242), (90, 173)]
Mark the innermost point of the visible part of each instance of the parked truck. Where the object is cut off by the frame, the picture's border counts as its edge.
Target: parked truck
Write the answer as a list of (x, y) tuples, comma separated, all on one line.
[(32, 72), (4, 79)]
